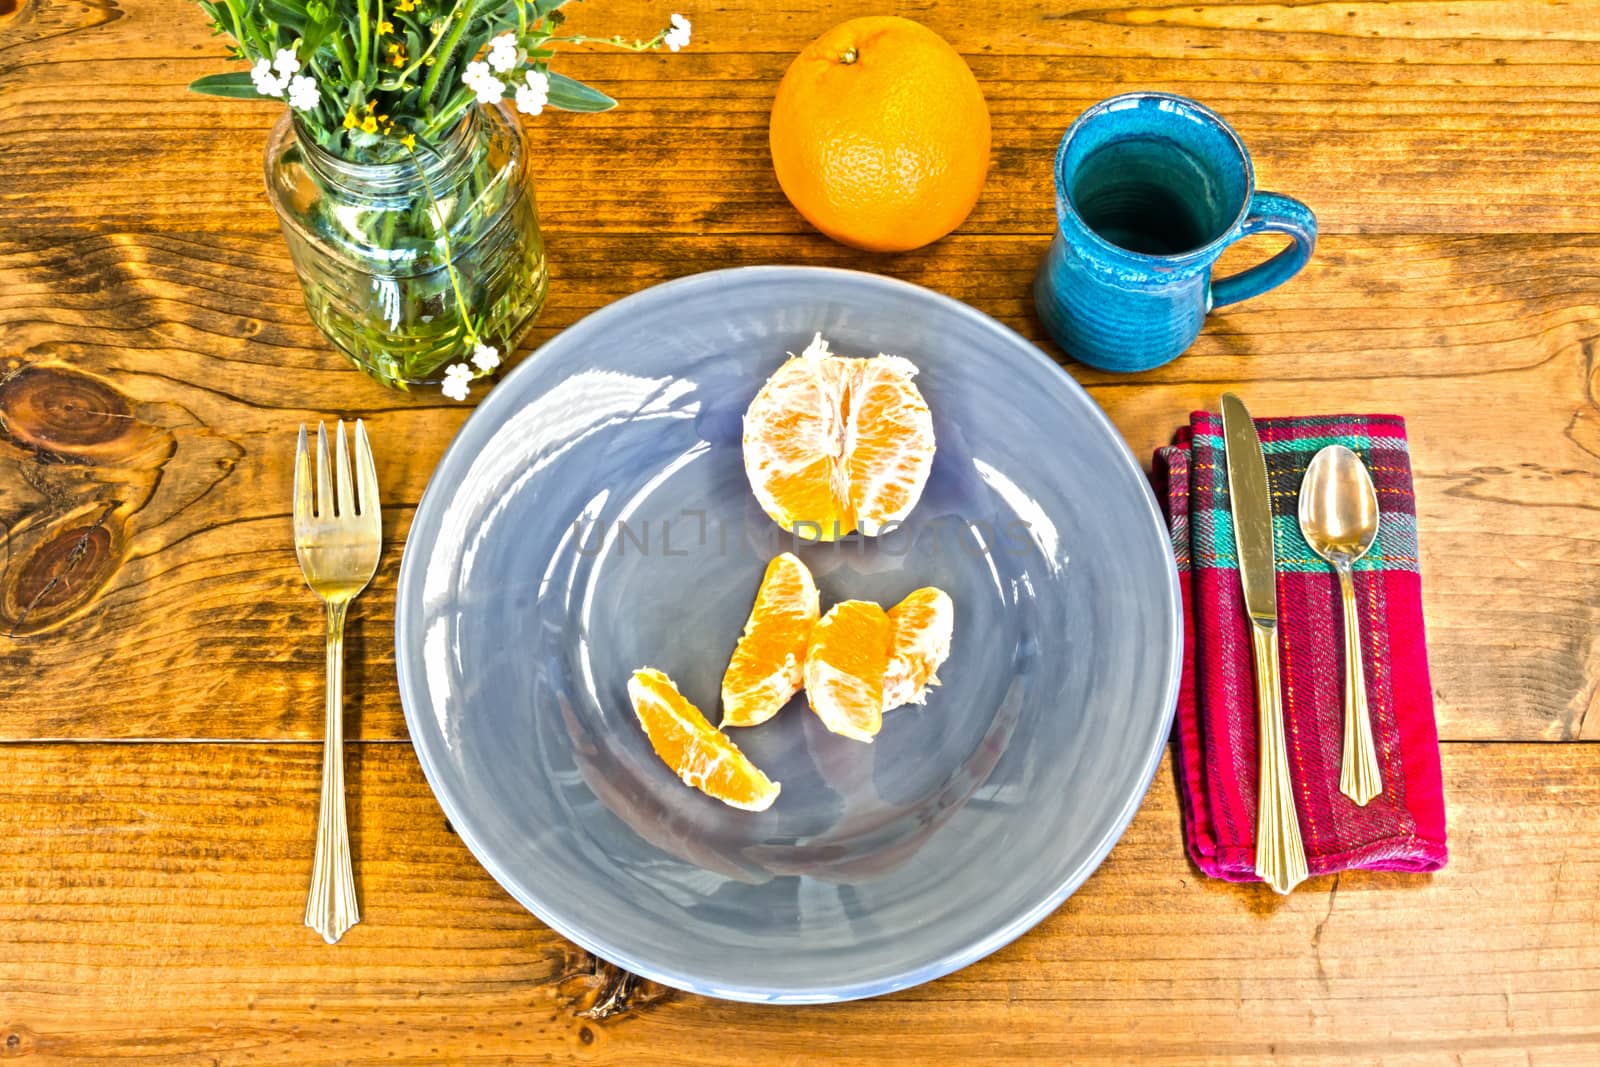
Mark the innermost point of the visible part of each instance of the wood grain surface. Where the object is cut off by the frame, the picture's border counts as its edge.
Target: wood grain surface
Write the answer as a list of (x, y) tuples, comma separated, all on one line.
[(1386, 117), (155, 361), (161, 910)]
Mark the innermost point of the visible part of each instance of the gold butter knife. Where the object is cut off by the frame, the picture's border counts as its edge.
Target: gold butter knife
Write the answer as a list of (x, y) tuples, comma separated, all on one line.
[(1280, 856)]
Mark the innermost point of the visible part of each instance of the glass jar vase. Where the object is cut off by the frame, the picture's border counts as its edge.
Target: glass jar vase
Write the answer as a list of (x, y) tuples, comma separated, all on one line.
[(406, 264)]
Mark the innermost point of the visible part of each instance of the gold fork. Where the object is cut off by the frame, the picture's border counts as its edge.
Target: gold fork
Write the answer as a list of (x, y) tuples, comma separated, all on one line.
[(338, 545)]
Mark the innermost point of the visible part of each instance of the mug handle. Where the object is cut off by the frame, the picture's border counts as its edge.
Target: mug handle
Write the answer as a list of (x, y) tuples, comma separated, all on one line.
[(1270, 213)]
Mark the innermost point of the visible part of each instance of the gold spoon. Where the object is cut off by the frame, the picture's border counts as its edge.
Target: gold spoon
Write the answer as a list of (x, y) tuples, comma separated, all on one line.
[(1339, 519)]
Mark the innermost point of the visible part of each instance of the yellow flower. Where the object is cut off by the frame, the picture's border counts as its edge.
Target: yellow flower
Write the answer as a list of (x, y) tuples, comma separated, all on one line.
[(406, 5), (369, 125), (410, 141), (372, 105), (385, 26), (350, 120), (397, 55)]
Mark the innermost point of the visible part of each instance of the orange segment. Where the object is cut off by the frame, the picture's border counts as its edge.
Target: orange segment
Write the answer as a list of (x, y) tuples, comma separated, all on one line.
[(768, 665), (697, 753), (892, 431), (832, 445), (922, 627), (794, 444), (845, 665)]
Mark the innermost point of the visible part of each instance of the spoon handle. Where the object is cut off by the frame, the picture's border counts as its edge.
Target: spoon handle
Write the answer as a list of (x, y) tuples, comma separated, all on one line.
[(1359, 776)]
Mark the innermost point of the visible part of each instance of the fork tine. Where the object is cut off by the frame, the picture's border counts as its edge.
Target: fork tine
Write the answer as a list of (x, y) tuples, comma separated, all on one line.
[(341, 475), (367, 476), (303, 504), (324, 480)]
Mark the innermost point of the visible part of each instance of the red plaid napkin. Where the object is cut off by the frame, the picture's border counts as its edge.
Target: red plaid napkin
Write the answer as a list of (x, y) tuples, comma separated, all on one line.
[(1403, 828)]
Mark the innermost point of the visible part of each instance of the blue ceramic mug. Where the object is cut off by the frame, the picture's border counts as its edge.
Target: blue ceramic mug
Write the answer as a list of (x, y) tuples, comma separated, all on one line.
[(1150, 189)]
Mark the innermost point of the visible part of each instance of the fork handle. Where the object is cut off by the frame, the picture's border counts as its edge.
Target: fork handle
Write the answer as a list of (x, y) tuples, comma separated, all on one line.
[(1360, 777), (331, 903)]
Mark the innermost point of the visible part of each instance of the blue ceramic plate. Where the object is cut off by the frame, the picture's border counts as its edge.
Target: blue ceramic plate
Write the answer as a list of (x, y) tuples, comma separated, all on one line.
[(592, 517)]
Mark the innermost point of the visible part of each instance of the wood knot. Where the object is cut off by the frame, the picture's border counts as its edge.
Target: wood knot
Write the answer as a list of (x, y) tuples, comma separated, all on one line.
[(72, 560), (78, 459), (61, 573), (17, 1042), (50, 409)]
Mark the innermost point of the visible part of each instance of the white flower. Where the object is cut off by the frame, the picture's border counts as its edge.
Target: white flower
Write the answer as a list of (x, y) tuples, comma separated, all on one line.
[(503, 52), (287, 64), (678, 35), (485, 357), (267, 83), (478, 78), (457, 377), (303, 92), (532, 97), (489, 90)]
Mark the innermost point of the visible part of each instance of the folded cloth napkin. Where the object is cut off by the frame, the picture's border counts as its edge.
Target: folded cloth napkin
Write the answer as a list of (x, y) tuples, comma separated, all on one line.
[(1403, 828)]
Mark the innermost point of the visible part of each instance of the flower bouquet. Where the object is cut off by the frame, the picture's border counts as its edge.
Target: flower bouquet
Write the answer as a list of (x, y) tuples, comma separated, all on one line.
[(399, 173)]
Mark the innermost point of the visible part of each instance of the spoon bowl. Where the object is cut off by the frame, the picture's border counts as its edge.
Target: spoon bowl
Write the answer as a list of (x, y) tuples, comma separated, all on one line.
[(1338, 506)]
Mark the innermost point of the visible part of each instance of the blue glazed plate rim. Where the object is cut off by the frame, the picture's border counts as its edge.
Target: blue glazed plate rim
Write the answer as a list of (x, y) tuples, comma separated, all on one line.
[(438, 496)]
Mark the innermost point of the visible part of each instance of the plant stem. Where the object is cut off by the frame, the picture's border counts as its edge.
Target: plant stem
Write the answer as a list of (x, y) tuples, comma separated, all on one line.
[(386, 236), (417, 63), (449, 46), (234, 15), (341, 48), (614, 42), (366, 32), (447, 113), (441, 224)]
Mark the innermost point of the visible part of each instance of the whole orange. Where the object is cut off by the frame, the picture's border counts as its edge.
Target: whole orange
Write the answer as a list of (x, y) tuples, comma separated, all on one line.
[(880, 135)]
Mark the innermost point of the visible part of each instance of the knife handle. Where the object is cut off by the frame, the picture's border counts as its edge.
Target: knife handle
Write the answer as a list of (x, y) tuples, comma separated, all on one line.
[(1280, 856)]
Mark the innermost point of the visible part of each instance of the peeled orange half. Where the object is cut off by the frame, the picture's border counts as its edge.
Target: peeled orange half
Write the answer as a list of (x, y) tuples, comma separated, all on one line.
[(696, 752), (768, 664), (833, 445), (845, 665), (923, 624)]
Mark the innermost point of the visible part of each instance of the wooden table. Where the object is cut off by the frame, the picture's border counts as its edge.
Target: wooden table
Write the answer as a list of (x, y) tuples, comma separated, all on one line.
[(161, 673)]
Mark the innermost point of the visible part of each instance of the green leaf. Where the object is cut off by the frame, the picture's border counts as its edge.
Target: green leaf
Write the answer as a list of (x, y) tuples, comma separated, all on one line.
[(290, 16), (568, 94), (236, 85), (218, 25), (321, 26)]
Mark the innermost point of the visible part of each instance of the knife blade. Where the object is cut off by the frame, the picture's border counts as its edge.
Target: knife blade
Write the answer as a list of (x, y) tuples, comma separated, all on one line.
[(1251, 500), (1280, 853)]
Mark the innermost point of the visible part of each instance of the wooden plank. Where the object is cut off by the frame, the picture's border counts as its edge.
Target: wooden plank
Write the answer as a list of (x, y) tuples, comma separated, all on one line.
[(172, 505), (152, 899), (1386, 117), (154, 360)]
